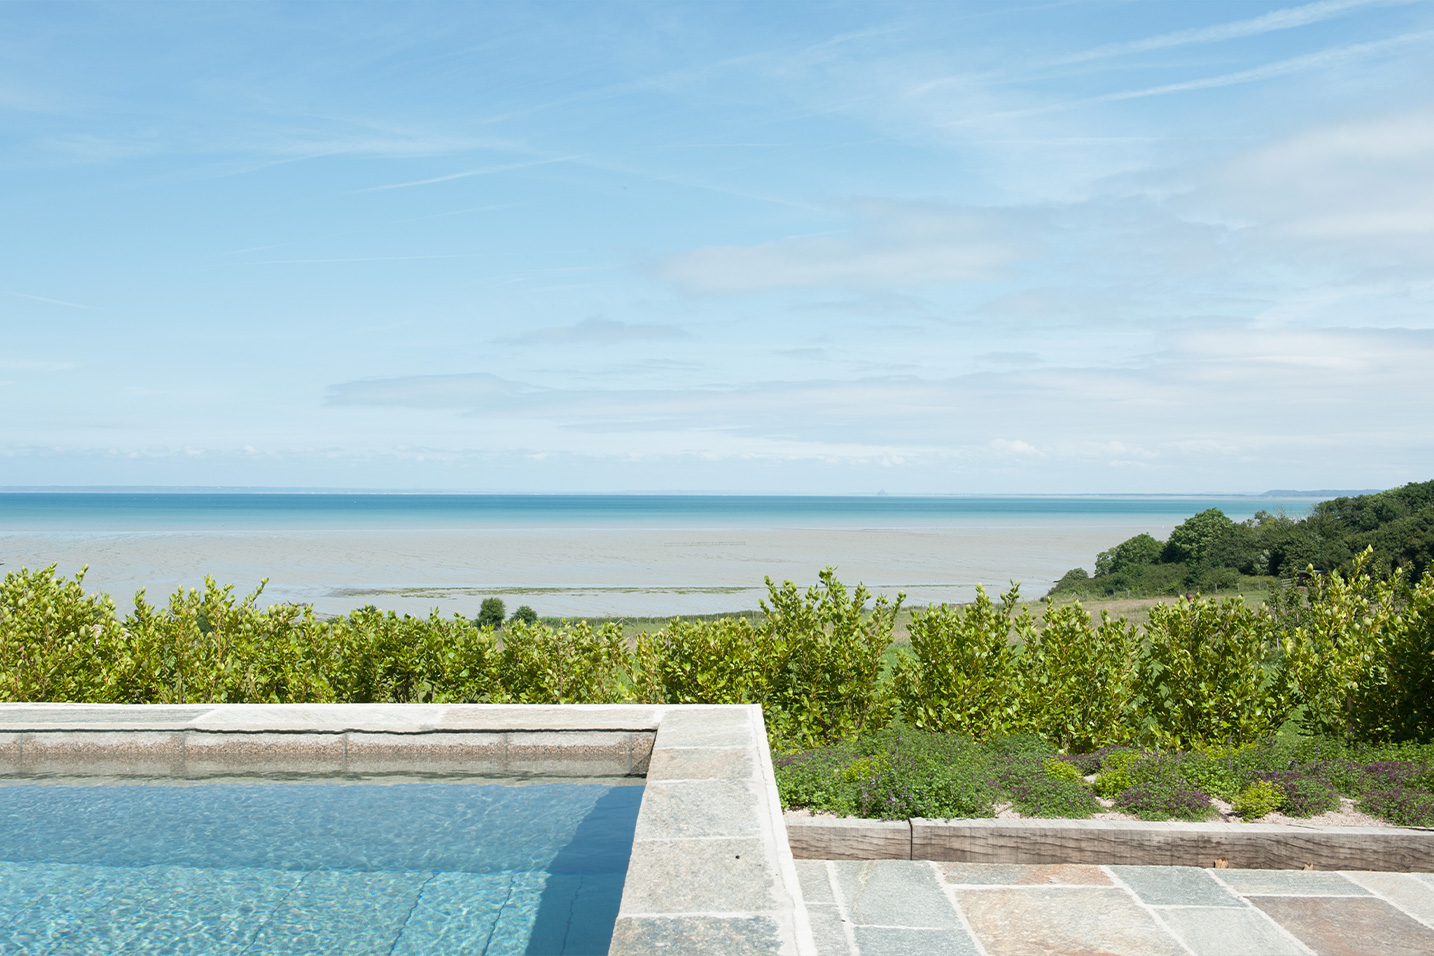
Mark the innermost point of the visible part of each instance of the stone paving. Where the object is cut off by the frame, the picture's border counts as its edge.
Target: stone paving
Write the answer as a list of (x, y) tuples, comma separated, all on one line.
[(902, 908)]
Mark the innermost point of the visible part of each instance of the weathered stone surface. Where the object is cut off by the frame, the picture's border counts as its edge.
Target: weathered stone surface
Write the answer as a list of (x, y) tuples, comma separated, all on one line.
[(10, 754), (847, 838), (221, 754), (102, 753), (828, 930), (1408, 892), (907, 940), (683, 935), (1014, 874), (1288, 883), (1039, 921), (1243, 845), (1229, 932), (703, 727), (1175, 886), (699, 876), (456, 753), (874, 892), (816, 885), (698, 808), (701, 763), (1333, 926), (569, 753)]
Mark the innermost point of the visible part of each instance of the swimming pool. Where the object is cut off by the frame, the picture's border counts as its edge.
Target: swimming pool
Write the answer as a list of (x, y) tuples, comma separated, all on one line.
[(279, 867)]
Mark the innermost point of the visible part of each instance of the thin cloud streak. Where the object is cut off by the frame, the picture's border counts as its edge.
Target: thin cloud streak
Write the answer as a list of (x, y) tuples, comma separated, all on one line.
[(49, 301), (1286, 19), (482, 171)]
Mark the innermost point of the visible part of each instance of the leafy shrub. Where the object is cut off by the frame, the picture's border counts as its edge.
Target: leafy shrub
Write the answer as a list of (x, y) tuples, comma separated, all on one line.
[(1076, 681), (491, 613), (57, 643), (1063, 770), (707, 662), (962, 667), (823, 658), (1207, 674), (1258, 799), (572, 665), (524, 614)]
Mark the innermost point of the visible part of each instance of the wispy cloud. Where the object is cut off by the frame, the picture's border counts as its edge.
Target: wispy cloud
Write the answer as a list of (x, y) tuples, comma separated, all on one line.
[(480, 171), (893, 245), (1286, 19), (597, 331), (49, 301)]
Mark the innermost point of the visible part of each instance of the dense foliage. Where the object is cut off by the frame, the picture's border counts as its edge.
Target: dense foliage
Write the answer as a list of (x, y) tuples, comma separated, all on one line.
[(1351, 656), (1209, 553)]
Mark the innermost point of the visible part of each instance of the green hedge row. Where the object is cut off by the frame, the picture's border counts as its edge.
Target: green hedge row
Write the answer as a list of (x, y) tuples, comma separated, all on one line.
[(1354, 656)]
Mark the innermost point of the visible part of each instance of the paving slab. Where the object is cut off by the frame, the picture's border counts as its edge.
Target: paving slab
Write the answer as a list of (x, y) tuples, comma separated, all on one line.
[(907, 940), (699, 808), (1175, 886), (829, 930), (1021, 874), (1335, 926), (1288, 883), (1225, 931), (816, 885), (894, 893), (1404, 890), (1039, 921)]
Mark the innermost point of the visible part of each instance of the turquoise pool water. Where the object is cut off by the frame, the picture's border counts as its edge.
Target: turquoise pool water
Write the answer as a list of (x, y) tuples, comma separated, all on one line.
[(313, 868)]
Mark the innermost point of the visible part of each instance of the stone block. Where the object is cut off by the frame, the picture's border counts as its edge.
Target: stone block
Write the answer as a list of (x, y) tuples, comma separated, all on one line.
[(680, 809), (894, 892), (1027, 921), (10, 754), (103, 753), (906, 940), (1175, 886), (222, 754), (1408, 892), (1017, 874), (706, 727), (701, 763), (709, 935), (1346, 926), (1227, 932), (569, 753), (717, 877), (439, 753), (1288, 883)]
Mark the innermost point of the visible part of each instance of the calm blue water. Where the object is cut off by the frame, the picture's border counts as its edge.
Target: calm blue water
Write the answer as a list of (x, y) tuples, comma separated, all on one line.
[(101, 511), (313, 868)]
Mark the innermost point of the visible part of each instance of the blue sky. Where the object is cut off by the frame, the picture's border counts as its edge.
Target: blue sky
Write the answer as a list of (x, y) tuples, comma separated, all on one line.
[(784, 247)]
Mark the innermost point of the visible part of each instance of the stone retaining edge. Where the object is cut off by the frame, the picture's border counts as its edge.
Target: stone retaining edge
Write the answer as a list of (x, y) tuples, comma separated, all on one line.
[(1238, 845)]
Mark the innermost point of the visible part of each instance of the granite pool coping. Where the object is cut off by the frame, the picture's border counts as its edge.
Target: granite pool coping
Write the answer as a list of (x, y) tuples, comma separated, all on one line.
[(1171, 843), (711, 868)]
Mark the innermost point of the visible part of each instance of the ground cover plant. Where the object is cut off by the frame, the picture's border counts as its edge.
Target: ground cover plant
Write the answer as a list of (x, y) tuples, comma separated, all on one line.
[(904, 772)]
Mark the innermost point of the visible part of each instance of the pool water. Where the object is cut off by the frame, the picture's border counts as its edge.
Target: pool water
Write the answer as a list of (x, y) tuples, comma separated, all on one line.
[(310, 868)]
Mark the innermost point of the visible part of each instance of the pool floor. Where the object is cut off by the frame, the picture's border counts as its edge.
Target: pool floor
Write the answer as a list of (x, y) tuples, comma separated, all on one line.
[(277, 868)]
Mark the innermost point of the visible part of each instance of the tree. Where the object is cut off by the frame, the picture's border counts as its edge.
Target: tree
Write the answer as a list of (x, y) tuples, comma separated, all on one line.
[(1133, 552), (1193, 539), (490, 613), (525, 615)]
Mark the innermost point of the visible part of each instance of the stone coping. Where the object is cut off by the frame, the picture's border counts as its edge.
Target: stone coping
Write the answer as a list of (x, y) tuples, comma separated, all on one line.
[(711, 869), (1114, 842)]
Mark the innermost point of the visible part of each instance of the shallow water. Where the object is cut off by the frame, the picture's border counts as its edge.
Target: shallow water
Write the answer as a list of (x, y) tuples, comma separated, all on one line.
[(275, 867), (575, 555)]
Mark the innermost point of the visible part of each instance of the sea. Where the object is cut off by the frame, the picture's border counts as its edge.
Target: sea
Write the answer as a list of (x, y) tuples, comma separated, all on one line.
[(577, 555)]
